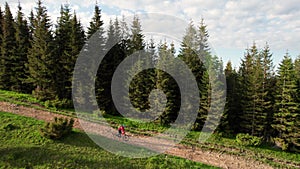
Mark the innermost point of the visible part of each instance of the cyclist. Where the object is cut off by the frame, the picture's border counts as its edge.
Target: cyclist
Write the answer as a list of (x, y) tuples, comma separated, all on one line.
[(121, 130)]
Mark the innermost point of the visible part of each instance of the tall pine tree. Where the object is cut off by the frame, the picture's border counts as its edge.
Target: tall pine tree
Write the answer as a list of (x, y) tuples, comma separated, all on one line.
[(286, 118), (253, 115), (22, 46), (96, 24), (66, 57), (114, 56), (166, 83), (8, 81), (268, 89), (233, 105), (136, 39), (1, 22), (42, 59), (297, 71)]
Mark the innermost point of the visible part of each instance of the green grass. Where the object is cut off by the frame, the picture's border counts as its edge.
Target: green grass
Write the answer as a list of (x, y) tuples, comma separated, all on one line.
[(30, 101), (20, 98), (22, 146)]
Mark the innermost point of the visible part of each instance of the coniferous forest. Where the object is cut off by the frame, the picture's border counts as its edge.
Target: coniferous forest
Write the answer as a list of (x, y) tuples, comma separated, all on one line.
[(38, 56)]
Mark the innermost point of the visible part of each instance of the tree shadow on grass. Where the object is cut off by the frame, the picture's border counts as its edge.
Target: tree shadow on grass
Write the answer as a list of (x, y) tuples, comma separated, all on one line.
[(32, 157), (78, 139)]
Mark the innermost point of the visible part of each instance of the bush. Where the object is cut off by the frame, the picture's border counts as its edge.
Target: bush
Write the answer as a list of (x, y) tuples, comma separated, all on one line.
[(57, 129), (248, 140), (281, 143), (57, 103), (9, 127)]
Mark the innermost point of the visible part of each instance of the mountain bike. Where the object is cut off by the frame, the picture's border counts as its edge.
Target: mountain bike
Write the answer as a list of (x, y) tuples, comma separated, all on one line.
[(124, 137)]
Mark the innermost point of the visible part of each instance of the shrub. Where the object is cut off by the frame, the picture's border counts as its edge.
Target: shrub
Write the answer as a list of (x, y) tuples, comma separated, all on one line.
[(57, 129), (10, 127), (248, 140), (57, 103), (281, 143)]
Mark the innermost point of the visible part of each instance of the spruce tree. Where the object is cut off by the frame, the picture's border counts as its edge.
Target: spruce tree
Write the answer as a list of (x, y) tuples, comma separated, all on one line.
[(166, 83), (31, 24), (96, 24), (259, 100), (92, 50), (124, 29), (189, 54), (22, 47), (247, 79), (254, 94), (297, 71), (114, 56), (216, 95), (136, 39), (151, 49), (212, 89), (1, 22), (78, 37), (141, 85), (65, 59), (268, 83), (8, 81), (117, 30), (286, 118), (41, 56), (233, 105)]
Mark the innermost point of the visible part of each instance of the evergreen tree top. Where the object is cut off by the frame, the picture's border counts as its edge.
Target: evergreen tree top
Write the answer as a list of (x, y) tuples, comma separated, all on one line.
[(136, 27), (96, 22)]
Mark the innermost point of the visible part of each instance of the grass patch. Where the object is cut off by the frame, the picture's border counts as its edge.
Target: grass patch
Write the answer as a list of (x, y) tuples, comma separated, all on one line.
[(22, 146), (30, 101)]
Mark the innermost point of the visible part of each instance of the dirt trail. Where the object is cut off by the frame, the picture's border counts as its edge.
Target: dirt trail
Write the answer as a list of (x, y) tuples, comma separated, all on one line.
[(191, 153)]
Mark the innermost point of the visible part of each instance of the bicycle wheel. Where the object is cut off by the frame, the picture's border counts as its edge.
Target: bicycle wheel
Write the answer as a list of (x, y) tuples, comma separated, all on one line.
[(125, 137)]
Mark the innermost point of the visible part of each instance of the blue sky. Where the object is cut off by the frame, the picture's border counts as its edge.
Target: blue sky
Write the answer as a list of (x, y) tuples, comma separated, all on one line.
[(233, 25)]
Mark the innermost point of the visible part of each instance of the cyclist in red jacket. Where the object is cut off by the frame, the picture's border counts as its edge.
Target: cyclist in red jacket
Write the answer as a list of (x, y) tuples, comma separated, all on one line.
[(121, 130)]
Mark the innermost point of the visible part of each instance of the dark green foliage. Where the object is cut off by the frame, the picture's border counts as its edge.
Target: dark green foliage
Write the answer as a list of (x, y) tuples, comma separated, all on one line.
[(59, 128), (286, 118), (268, 90), (8, 58), (1, 21), (166, 83), (216, 96), (297, 71), (9, 127), (233, 101), (96, 24), (69, 39), (31, 24), (22, 46), (136, 39), (114, 56), (42, 59), (188, 54), (248, 140), (253, 117), (66, 60)]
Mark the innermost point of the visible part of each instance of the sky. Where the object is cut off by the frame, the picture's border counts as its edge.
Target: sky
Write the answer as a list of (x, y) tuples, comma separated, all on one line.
[(233, 25)]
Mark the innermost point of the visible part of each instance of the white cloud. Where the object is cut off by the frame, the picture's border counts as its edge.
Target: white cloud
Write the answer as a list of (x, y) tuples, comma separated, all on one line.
[(231, 24)]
